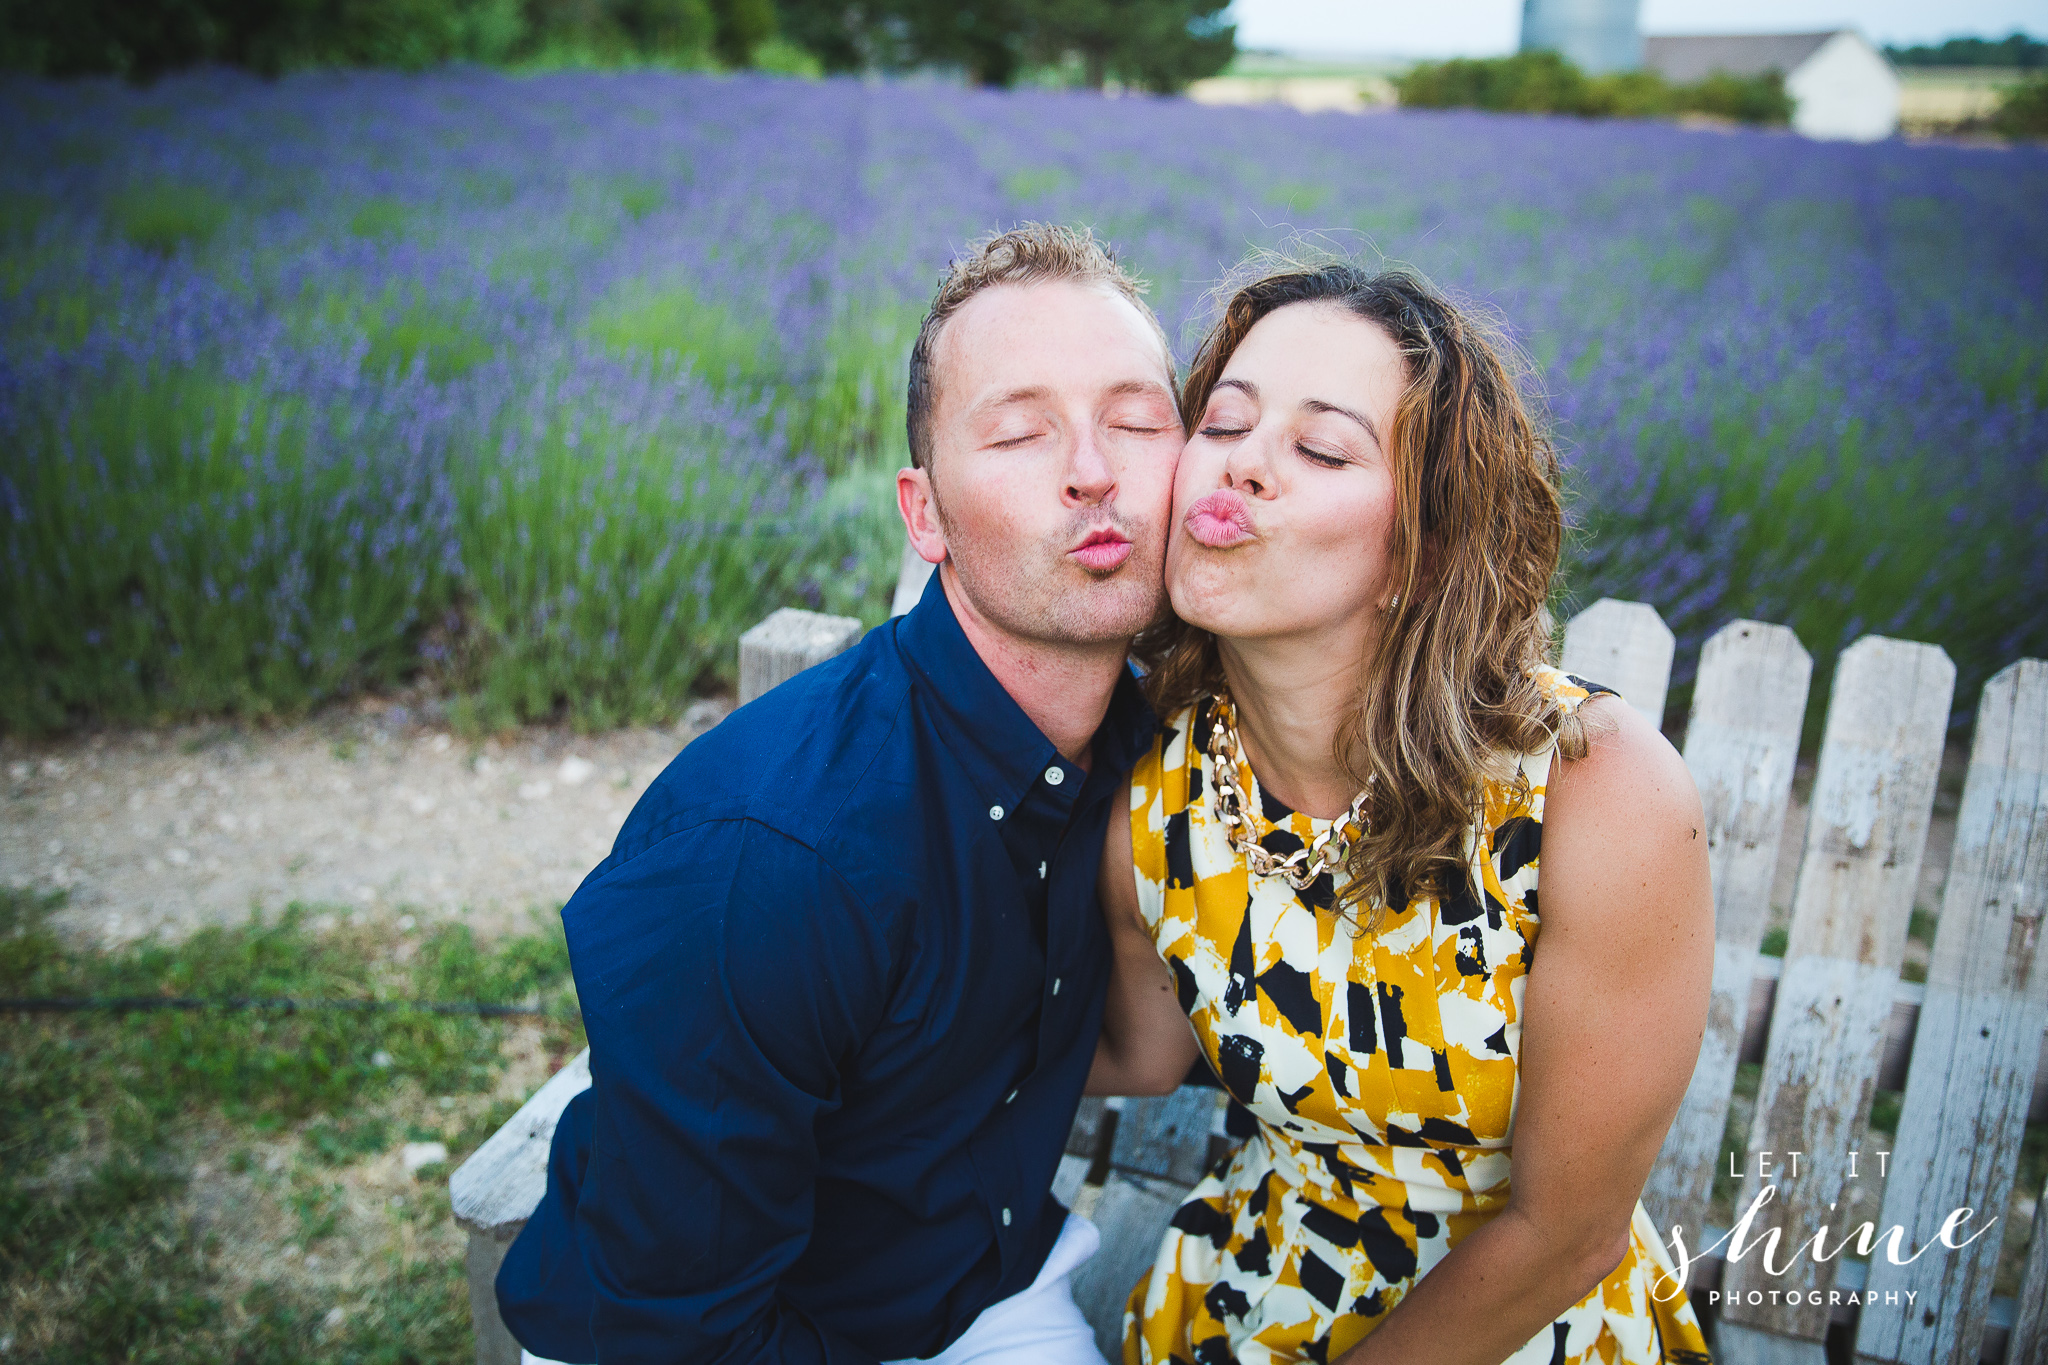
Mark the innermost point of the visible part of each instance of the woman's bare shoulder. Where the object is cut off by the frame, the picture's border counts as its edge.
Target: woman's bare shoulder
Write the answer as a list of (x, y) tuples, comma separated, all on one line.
[(1628, 803)]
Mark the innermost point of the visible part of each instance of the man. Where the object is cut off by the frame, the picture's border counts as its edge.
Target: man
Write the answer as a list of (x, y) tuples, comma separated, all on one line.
[(843, 971)]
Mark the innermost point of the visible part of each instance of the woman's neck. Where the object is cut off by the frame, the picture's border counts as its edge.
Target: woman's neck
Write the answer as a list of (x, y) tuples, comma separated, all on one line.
[(1292, 694)]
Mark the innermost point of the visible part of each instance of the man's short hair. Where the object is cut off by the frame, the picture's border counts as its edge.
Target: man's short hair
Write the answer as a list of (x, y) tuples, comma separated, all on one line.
[(1031, 254)]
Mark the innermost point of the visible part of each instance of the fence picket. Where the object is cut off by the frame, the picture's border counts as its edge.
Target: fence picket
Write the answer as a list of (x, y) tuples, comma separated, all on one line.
[(912, 572), (1626, 646), (787, 643), (1740, 744), (1867, 830), (1974, 1052), (2028, 1344)]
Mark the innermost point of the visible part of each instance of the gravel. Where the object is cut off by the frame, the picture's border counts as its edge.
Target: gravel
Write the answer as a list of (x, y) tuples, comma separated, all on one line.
[(373, 810)]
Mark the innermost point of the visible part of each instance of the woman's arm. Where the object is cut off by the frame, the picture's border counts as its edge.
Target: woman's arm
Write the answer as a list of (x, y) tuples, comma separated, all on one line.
[(1613, 1014), (1147, 1044)]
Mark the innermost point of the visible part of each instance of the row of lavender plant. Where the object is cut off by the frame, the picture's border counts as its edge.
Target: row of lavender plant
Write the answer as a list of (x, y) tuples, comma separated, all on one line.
[(548, 386)]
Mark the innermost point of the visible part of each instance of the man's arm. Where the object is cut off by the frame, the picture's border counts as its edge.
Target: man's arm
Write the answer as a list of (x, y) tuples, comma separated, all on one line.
[(724, 974)]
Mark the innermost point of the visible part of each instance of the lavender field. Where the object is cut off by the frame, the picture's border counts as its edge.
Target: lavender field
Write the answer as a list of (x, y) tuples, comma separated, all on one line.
[(543, 388)]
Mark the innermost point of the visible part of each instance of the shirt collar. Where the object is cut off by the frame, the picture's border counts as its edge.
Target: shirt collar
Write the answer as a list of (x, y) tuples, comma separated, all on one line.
[(1004, 751)]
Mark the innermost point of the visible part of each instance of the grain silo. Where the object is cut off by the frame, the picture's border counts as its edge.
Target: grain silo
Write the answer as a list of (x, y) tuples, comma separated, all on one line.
[(1597, 35)]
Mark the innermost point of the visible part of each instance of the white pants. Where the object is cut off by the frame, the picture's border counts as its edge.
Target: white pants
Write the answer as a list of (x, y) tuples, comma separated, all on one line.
[(1038, 1325)]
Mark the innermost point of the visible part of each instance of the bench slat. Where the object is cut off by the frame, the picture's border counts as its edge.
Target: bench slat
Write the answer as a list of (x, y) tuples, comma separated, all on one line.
[(1979, 1035), (1740, 745), (1132, 1217), (1867, 830), (1167, 1138), (501, 1184)]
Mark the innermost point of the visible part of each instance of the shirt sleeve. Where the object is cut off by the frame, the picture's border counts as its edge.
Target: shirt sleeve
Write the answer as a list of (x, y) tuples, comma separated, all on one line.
[(724, 974)]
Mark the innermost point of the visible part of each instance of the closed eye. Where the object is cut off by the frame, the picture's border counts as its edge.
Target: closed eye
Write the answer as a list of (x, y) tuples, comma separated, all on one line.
[(1009, 442), (1224, 432), (1318, 457)]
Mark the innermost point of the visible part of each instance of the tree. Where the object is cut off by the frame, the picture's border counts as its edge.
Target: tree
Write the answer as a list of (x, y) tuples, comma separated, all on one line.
[(1151, 44), (741, 26), (848, 35), (1157, 45), (2015, 49)]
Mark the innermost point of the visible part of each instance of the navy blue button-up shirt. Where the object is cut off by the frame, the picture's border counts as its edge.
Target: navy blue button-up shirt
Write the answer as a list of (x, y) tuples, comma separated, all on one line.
[(833, 1062)]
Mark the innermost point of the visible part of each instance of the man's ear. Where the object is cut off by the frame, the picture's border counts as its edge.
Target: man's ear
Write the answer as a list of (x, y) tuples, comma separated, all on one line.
[(920, 514)]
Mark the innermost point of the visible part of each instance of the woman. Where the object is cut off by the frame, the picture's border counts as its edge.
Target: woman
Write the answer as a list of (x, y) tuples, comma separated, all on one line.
[(1332, 861)]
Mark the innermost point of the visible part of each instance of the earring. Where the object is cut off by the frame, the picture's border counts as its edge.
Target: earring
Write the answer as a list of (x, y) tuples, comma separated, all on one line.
[(1389, 608)]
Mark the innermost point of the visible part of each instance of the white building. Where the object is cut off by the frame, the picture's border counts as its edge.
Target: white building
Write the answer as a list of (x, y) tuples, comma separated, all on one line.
[(1841, 86)]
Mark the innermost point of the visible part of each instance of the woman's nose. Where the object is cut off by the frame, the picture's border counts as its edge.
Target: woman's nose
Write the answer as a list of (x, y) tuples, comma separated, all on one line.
[(1246, 470)]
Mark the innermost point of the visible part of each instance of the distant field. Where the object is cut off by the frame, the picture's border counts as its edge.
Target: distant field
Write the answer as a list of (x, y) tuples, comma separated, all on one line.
[(543, 388), (1932, 98)]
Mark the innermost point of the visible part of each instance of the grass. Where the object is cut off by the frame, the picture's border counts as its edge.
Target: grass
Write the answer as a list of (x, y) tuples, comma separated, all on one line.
[(162, 216), (224, 1186)]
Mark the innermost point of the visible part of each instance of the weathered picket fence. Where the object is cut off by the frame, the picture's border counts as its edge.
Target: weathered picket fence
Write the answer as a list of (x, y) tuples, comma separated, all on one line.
[(1831, 1021)]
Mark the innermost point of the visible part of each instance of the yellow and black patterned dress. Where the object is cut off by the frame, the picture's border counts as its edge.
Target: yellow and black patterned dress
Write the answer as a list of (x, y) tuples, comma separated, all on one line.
[(1382, 1069)]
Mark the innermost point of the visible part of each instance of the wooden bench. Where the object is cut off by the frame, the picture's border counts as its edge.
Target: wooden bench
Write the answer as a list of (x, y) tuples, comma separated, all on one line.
[(1831, 1021)]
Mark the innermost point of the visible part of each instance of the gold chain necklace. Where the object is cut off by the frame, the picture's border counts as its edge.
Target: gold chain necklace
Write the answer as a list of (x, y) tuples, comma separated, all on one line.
[(1304, 865)]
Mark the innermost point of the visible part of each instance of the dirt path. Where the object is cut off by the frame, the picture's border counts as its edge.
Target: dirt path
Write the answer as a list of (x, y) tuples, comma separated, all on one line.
[(380, 810), (373, 810)]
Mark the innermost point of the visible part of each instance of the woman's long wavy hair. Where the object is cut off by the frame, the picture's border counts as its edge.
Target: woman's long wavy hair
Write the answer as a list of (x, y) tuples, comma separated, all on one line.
[(1446, 700)]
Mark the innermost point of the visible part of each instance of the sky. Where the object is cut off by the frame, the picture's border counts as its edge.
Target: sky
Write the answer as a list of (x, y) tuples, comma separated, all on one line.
[(1477, 28)]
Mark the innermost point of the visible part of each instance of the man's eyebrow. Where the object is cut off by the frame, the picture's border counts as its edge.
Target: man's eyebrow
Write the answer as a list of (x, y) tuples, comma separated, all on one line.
[(1318, 405), (1033, 394), (1143, 388)]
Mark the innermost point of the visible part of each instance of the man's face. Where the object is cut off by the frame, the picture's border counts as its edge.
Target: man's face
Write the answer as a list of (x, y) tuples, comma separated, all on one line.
[(1055, 438)]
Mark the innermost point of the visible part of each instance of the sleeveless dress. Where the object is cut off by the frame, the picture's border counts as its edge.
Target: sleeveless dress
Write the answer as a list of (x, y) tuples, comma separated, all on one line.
[(1382, 1069)]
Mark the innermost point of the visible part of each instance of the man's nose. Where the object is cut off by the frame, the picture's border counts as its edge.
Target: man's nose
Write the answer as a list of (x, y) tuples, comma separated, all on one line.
[(1090, 479)]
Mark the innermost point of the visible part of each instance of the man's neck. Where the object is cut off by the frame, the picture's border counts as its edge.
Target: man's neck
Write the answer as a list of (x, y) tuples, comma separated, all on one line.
[(1292, 695), (1064, 689)]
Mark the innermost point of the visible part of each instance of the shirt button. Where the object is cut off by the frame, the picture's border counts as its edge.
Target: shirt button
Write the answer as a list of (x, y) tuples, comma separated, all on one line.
[(1055, 775), (1055, 985), (1041, 872), (1011, 1096), (995, 812), (1006, 1218)]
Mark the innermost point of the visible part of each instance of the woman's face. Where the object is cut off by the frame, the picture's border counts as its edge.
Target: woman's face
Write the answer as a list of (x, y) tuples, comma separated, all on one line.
[(1284, 506)]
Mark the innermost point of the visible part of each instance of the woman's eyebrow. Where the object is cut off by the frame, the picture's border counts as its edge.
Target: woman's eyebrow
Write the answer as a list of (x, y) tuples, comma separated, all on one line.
[(1243, 386), (1318, 405)]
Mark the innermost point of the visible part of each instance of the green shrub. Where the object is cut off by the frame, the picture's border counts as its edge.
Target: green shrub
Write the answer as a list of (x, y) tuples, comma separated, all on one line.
[(1748, 99), (1546, 83), (1528, 82), (2024, 110)]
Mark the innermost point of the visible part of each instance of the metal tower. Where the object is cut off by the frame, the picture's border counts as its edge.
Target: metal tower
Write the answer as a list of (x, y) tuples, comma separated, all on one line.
[(1597, 35)]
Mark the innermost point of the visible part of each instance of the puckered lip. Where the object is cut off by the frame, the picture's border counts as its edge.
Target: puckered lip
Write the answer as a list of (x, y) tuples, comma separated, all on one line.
[(1225, 505), (1105, 536)]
